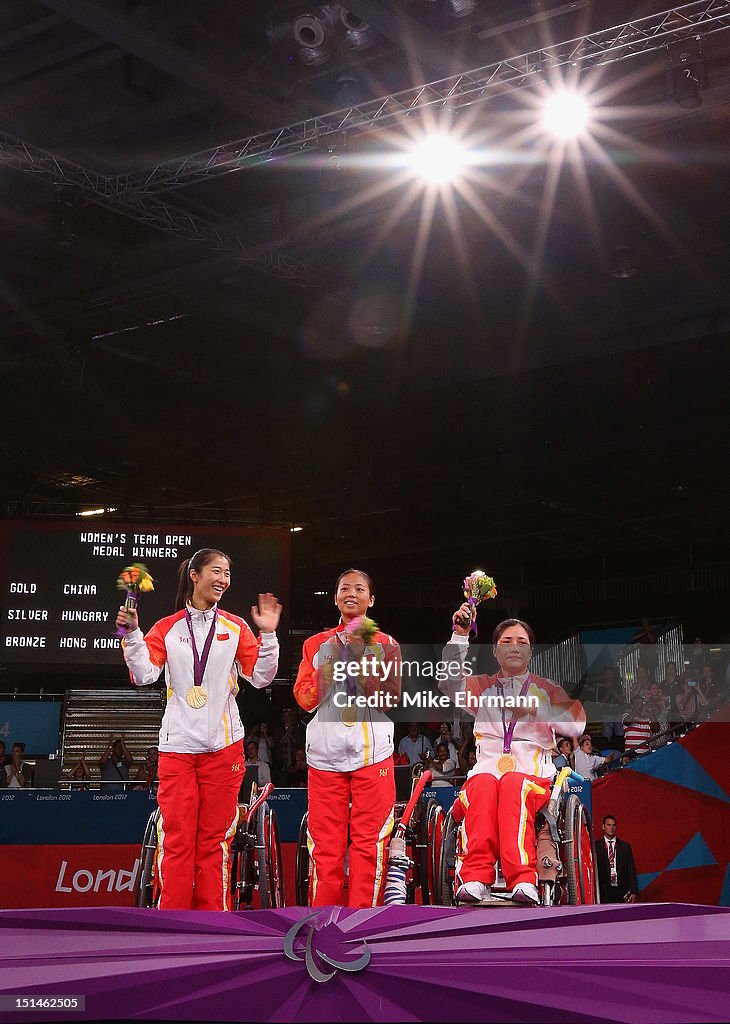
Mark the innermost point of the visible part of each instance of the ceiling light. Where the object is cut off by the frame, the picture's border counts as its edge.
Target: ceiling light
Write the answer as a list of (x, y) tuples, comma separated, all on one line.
[(96, 511), (311, 36), (296, 529), (461, 8), (439, 159), (566, 114), (358, 34)]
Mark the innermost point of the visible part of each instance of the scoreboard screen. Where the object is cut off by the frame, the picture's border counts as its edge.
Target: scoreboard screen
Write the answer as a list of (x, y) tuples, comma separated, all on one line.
[(59, 597)]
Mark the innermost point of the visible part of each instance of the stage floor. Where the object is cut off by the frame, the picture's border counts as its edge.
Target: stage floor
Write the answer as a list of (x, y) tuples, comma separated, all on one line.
[(646, 962)]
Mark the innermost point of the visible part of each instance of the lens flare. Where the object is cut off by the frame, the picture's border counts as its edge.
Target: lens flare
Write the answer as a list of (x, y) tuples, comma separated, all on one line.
[(566, 115)]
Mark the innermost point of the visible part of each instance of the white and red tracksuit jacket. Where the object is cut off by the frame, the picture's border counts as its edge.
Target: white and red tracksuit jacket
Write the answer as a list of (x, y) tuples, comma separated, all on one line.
[(235, 650), (534, 735), (332, 745)]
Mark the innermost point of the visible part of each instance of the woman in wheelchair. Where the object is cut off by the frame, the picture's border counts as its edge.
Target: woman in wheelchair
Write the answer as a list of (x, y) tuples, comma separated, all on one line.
[(349, 752), (510, 782)]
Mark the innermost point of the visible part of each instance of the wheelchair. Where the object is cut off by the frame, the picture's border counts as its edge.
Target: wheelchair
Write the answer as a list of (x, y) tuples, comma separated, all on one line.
[(257, 877), (423, 841), (565, 849)]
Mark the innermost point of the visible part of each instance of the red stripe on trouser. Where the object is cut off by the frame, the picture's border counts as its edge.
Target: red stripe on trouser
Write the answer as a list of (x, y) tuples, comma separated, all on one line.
[(492, 827), (372, 793), (198, 800)]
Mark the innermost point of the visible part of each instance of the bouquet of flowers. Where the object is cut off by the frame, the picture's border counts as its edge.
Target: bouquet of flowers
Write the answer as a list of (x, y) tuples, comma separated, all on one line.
[(363, 628), (135, 580), (478, 587)]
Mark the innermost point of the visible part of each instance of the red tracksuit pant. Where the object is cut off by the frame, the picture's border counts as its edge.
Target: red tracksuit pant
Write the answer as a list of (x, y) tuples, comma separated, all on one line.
[(198, 801), (499, 822), (364, 797)]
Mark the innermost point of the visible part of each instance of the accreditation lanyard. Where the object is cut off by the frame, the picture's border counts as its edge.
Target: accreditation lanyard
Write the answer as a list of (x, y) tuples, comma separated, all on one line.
[(508, 730), (200, 660)]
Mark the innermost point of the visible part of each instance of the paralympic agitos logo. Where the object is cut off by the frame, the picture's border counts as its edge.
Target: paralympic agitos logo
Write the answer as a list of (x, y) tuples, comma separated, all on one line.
[(321, 946)]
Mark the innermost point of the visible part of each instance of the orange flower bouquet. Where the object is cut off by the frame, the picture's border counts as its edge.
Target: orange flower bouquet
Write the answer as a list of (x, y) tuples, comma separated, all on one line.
[(135, 580)]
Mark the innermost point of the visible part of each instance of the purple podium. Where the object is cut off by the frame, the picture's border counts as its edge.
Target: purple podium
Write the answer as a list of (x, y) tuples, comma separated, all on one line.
[(646, 962)]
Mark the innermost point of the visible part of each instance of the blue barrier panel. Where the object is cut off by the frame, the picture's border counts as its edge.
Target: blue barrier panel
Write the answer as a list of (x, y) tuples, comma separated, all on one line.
[(50, 817), (35, 723), (583, 791), (290, 805)]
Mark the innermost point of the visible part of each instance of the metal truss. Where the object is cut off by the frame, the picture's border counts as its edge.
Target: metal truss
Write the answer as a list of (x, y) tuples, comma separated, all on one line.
[(148, 209), (646, 35)]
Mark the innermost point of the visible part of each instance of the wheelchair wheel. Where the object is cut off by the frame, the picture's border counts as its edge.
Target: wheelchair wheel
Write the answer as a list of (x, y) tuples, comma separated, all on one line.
[(430, 829), (146, 883), (578, 854), (444, 876), (302, 869), (268, 857)]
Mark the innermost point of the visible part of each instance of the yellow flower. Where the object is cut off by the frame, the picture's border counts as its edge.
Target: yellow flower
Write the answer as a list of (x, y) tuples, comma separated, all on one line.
[(146, 584)]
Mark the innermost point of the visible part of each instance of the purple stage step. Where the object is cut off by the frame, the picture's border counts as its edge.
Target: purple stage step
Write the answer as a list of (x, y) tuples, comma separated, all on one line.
[(641, 962)]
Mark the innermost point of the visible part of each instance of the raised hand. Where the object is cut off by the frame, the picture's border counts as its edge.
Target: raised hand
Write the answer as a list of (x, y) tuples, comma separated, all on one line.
[(267, 613), (127, 619), (462, 619)]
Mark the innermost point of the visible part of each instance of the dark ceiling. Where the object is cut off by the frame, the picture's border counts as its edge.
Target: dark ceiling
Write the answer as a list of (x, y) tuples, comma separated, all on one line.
[(533, 376)]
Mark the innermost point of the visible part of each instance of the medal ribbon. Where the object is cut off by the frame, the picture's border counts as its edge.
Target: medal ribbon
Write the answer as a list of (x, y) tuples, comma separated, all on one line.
[(200, 660), (508, 730)]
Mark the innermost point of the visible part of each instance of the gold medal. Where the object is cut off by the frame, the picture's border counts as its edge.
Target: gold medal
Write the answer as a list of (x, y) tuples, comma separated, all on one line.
[(348, 715), (197, 696), (506, 763)]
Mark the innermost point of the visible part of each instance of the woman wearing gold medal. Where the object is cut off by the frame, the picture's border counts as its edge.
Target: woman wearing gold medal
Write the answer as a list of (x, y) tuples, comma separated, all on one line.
[(203, 650), (511, 779), (349, 749)]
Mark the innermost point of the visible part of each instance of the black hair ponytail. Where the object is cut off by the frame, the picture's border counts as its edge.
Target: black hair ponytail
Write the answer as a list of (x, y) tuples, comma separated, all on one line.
[(195, 563)]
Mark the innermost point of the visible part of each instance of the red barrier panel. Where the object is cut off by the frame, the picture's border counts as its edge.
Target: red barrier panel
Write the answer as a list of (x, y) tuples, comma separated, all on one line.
[(83, 876)]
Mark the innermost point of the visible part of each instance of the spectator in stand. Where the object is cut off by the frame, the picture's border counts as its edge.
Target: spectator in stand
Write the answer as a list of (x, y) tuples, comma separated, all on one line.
[(18, 773), (647, 639), (615, 866), (610, 697), (467, 748), (564, 756), (443, 767), (288, 737), (81, 775), (416, 746), (708, 686), (670, 683), (446, 736), (254, 761), (637, 728), (147, 771), (586, 762), (296, 777), (641, 683), (265, 740), (114, 764), (655, 708), (690, 701), (3, 775)]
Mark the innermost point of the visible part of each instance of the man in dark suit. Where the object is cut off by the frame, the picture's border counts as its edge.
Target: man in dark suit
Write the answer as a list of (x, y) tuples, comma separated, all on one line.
[(615, 866)]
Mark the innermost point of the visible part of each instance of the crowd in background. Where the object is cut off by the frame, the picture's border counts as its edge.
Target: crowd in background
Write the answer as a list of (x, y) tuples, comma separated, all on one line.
[(627, 718)]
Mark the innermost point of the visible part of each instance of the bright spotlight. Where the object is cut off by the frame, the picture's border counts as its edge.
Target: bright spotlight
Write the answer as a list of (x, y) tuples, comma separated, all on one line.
[(566, 115), (439, 159)]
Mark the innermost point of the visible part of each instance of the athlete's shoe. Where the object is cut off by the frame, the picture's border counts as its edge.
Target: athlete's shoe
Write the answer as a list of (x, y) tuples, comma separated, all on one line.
[(526, 892), (473, 892)]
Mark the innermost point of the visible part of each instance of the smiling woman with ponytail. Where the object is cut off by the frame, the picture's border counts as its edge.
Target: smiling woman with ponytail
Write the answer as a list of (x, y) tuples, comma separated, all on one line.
[(203, 650)]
